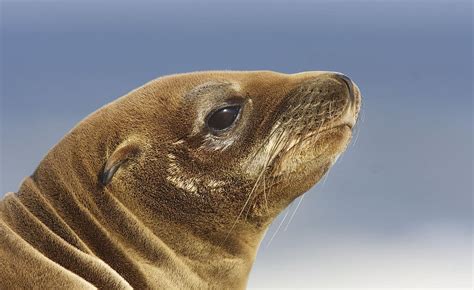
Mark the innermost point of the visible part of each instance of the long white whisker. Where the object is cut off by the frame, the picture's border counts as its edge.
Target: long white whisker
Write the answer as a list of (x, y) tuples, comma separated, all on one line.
[(357, 131), (294, 213), (257, 182), (264, 142), (265, 192), (278, 228), (245, 204), (325, 177)]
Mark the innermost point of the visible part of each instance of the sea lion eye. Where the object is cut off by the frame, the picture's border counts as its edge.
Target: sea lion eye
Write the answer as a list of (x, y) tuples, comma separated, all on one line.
[(223, 118)]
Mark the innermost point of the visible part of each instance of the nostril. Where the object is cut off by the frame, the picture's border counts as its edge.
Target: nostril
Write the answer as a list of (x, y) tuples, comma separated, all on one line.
[(348, 82)]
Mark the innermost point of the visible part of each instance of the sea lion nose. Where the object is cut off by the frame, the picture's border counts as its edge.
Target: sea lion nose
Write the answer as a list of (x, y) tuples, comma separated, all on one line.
[(349, 84)]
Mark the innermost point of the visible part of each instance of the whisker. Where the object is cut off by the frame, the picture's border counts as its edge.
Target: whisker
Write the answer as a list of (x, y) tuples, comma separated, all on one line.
[(254, 188), (296, 125), (294, 213), (268, 159), (357, 128), (362, 114), (278, 228), (265, 192), (357, 131), (325, 177), (264, 142), (243, 208)]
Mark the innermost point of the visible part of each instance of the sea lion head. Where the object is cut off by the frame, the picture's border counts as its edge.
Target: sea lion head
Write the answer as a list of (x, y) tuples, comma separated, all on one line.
[(224, 152)]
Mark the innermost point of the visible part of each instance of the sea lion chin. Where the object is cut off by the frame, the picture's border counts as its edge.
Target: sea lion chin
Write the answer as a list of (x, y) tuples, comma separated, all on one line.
[(174, 184)]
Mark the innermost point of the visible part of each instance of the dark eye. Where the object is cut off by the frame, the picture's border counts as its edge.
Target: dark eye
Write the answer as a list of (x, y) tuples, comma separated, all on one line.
[(223, 118)]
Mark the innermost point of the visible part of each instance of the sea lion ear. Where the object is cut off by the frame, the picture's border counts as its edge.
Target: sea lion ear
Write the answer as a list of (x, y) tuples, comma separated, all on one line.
[(121, 155)]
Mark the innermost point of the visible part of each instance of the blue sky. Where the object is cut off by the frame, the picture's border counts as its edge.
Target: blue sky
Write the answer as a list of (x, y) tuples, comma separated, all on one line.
[(398, 203)]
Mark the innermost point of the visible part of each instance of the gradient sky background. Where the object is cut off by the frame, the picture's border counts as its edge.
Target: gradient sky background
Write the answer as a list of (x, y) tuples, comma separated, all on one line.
[(395, 211)]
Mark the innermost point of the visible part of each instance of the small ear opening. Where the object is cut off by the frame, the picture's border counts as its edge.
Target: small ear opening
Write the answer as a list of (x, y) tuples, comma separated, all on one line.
[(121, 155)]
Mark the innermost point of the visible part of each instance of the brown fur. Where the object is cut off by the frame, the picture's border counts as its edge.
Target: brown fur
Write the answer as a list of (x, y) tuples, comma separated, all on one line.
[(184, 209)]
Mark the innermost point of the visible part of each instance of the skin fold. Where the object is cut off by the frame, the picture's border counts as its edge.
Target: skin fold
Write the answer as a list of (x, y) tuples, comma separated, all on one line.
[(144, 193)]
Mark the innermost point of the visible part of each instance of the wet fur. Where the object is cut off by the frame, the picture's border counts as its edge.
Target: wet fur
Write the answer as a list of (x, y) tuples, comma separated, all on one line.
[(183, 208)]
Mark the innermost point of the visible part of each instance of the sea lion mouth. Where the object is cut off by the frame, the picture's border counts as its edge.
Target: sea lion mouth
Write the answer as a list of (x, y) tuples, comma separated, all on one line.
[(325, 130), (316, 145)]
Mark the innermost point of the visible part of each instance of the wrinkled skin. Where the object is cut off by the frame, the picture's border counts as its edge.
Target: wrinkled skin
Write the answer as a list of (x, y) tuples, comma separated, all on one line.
[(143, 194)]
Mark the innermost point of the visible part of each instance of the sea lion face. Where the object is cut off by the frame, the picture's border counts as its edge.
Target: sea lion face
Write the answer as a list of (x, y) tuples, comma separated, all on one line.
[(227, 146)]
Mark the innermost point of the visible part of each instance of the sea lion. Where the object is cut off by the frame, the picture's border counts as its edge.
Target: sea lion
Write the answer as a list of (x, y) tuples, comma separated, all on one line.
[(174, 184)]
